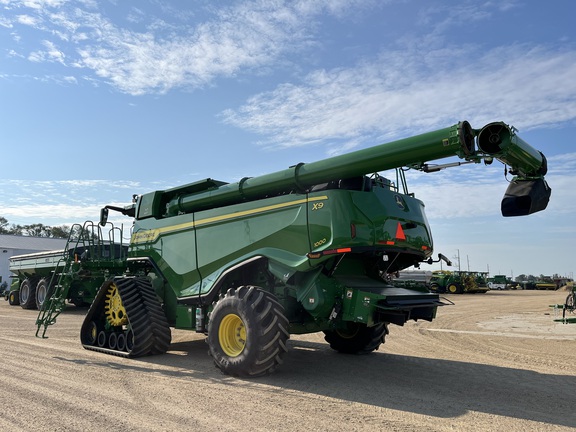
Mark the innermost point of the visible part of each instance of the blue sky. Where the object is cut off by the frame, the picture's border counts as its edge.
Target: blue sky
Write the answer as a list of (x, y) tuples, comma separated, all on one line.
[(100, 100)]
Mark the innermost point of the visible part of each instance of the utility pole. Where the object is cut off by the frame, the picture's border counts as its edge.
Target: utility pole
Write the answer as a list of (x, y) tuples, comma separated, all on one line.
[(458, 258)]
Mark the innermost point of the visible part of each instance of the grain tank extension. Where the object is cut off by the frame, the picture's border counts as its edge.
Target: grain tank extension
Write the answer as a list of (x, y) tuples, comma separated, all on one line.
[(307, 249)]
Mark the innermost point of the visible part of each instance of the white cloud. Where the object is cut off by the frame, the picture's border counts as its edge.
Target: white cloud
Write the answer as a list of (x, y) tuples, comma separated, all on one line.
[(236, 39), (47, 212), (27, 20), (50, 53), (391, 95), (66, 201)]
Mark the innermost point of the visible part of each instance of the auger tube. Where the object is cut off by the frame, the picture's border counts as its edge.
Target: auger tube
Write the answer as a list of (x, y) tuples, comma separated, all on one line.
[(501, 141), (457, 140)]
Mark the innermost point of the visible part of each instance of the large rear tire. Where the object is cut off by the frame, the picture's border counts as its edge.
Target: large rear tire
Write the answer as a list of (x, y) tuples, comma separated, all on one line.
[(247, 332), (28, 294), (42, 292), (357, 338)]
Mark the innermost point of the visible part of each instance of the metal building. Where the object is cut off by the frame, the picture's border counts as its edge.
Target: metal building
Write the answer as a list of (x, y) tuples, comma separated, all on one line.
[(11, 245)]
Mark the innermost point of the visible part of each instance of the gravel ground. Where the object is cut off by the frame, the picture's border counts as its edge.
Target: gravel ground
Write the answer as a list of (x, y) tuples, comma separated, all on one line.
[(494, 361)]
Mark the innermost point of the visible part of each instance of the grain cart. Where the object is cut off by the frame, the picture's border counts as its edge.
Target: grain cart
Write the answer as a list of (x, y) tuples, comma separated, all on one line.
[(73, 274), (302, 250)]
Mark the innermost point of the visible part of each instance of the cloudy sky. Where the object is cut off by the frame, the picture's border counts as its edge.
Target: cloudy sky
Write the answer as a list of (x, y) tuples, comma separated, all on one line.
[(100, 100)]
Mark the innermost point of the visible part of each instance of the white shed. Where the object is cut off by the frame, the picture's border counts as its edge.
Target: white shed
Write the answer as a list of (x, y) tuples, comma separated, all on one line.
[(11, 245)]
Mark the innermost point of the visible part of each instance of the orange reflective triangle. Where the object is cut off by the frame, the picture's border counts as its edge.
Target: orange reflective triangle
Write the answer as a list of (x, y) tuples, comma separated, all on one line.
[(400, 233)]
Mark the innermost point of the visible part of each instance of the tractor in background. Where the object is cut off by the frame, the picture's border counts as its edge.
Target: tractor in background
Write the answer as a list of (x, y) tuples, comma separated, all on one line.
[(459, 282)]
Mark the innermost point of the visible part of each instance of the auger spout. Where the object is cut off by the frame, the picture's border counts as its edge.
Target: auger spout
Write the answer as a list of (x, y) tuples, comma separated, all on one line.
[(500, 141), (528, 192)]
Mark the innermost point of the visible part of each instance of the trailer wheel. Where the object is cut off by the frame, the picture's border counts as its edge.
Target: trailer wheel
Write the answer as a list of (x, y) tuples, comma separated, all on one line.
[(357, 338), (41, 293), (247, 332), (454, 288), (27, 294), (13, 298)]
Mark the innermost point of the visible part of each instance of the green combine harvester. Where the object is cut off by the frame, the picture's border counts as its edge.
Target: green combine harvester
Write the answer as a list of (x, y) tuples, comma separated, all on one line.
[(307, 249)]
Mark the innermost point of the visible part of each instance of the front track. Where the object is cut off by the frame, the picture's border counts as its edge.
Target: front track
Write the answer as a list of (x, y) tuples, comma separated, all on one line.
[(126, 319)]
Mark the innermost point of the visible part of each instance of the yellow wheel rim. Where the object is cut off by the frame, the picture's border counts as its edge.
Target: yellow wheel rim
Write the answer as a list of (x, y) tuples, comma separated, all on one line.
[(452, 289), (114, 308), (232, 335), (349, 333)]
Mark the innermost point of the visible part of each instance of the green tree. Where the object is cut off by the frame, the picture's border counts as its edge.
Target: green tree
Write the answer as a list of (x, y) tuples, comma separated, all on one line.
[(16, 229), (61, 231), (3, 225)]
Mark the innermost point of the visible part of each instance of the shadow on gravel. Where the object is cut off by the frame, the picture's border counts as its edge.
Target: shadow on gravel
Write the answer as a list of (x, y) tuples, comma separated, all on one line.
[(433, 387), (438, 388)]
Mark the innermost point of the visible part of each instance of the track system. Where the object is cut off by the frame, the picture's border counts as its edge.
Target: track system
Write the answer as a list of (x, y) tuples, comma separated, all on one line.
[(127, 320)]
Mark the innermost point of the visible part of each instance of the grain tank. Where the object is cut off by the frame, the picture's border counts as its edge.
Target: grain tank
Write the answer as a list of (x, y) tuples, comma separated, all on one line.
[(306, 249)]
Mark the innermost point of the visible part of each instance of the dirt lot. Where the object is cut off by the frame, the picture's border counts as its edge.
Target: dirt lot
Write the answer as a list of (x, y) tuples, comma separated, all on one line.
[(493, 361)]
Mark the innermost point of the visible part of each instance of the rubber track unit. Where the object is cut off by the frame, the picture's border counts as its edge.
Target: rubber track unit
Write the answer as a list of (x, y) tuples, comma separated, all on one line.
[(150, 328)]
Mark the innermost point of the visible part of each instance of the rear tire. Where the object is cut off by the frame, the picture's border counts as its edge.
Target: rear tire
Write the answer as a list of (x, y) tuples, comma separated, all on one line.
[(27, 294), (42, 293), (247, 332), (357, 338), (454, 288)]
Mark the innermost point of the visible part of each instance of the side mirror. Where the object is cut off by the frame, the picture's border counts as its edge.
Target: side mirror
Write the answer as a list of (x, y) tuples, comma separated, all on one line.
[(104, 216), (443, 258)]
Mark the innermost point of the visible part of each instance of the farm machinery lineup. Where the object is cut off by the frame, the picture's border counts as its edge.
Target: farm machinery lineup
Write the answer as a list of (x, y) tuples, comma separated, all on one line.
[(306, 249), (459, 281)]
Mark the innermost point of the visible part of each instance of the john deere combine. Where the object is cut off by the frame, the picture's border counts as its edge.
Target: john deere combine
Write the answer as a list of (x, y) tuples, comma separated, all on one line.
[(306, 249)]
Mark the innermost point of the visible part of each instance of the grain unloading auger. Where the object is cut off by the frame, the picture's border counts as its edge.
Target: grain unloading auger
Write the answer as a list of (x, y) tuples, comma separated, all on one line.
[(302, 250)]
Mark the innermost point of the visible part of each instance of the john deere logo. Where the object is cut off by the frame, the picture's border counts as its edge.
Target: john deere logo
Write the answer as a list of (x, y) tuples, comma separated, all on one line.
[(399, 201)]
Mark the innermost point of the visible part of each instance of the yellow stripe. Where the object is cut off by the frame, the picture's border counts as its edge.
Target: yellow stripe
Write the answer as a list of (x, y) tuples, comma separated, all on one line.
[(146, 236)]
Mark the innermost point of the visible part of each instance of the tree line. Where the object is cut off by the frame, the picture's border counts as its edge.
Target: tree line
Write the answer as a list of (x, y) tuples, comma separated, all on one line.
[(36, 230)]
